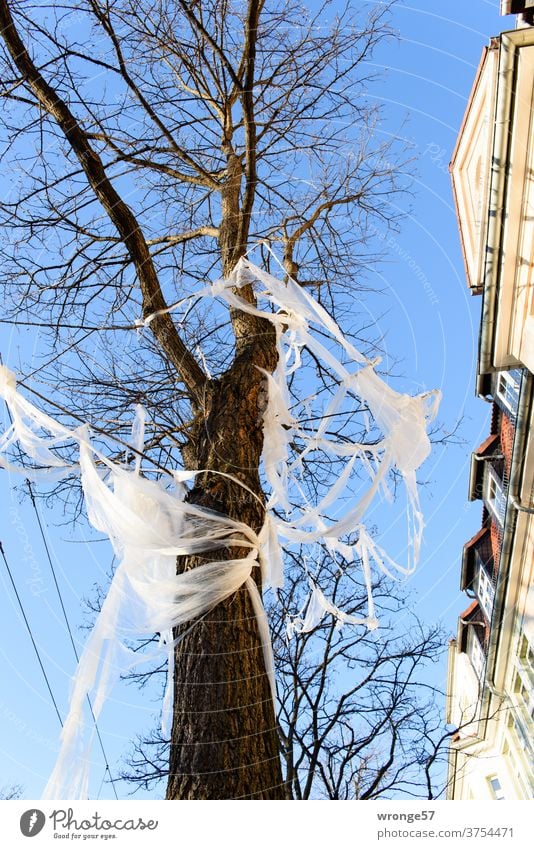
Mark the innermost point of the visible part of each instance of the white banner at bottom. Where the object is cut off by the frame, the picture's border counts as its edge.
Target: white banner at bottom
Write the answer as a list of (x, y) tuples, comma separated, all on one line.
[(240, 825)]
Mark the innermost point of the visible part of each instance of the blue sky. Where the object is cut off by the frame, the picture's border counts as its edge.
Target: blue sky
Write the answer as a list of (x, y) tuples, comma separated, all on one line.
[(433, 319), (429, 322)]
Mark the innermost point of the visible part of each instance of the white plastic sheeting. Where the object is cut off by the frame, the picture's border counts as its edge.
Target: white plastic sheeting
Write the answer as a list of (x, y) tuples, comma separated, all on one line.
[(301, 321), (149, 523)]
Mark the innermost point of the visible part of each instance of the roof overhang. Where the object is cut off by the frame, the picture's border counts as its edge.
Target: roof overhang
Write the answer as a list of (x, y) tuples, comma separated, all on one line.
[(492, 174), (507, 250), (470, 167), (488, 449), (471, 616), (468, 558), (525, 8)]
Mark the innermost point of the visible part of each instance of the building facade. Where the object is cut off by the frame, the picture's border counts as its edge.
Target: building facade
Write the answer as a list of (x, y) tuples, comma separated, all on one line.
[(490, 686)]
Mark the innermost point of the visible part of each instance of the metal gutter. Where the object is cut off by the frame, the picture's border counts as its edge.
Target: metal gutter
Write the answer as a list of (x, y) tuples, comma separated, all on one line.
[(451, 664), (476, 471), (510, 45), (500, 151), (474, 286), (521, 507), (483, 388)]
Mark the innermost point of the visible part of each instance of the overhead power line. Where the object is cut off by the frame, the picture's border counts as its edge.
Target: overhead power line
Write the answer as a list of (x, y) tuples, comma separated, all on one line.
[(50, 326), (34, 644), (69, 629)]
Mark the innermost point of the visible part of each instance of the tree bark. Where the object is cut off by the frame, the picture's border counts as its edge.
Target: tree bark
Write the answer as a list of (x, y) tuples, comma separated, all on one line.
[(224, 742)]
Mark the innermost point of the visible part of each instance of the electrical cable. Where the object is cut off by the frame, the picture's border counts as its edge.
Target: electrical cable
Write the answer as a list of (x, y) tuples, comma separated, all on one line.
[(69, 629), (9, 572), (95, 427), (89, 327)]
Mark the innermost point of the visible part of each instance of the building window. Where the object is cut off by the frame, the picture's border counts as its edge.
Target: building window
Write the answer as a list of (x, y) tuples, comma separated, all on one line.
[(525, 697), (515, 768), (495, 495), (485, 591), (525, 743), (526, 656), (476, 652), (495, 788), (508, 389), (524, 682), (521, 745)]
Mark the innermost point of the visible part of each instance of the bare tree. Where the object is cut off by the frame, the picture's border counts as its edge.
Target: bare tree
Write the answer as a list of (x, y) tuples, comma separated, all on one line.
[(11, 791), (358, 716), (150, 145)]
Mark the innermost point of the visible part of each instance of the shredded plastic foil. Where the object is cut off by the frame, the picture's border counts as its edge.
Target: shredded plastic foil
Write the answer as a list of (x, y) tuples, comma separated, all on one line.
[(149, 523)]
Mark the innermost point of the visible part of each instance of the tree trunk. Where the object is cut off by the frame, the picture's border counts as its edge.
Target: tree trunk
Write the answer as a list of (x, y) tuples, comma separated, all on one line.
[(224, 742)]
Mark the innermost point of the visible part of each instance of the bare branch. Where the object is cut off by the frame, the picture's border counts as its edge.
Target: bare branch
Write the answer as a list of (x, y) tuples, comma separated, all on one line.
[(117, 209)]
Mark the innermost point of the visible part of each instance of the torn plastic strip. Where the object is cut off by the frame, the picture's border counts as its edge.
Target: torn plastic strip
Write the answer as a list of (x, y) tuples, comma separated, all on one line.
[(148, 527), (318, 606), (34, 445), (151, 574), (402, 418)]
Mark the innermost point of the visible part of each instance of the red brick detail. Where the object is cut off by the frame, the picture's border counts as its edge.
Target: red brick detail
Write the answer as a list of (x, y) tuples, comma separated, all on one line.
[(495, 418), (507, 441), (470, 611), (488, 446), (477, 537)]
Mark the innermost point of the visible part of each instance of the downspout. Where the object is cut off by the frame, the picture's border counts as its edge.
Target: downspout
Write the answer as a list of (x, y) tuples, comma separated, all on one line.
[(451, 790), (452, 751), (521, 507), (500, 166)]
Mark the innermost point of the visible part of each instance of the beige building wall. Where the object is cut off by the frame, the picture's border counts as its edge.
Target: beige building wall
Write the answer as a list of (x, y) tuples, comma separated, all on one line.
[(491, 702)]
